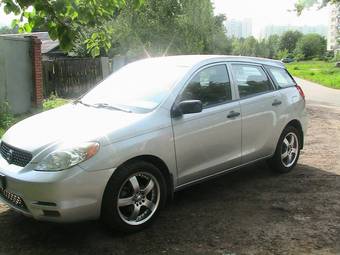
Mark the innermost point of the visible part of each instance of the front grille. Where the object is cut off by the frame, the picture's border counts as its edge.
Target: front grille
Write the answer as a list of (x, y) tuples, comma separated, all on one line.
[(15, 156), (12, 199)]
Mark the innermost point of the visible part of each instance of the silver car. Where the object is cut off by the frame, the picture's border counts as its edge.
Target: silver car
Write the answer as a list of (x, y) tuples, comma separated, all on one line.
[(152, 128)]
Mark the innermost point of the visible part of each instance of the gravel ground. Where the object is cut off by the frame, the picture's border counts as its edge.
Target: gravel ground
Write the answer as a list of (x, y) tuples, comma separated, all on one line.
[(251, 211)]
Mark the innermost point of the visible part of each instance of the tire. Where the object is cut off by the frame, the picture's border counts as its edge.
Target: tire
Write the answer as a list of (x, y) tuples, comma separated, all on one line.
[(286, 148), (133, 197)]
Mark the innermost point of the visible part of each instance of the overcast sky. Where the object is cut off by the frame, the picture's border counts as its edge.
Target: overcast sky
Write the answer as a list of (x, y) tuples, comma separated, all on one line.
[(262, 13)]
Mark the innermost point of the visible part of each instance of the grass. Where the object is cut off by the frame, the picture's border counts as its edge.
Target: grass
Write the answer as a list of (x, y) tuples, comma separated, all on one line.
[(321, 72), (7, 119)]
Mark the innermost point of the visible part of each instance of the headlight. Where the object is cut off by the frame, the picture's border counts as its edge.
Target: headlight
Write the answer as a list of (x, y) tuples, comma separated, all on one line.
[(67, 157)]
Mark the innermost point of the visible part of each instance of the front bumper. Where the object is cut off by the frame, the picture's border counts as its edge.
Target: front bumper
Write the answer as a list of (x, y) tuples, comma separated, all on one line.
[(66, 196)]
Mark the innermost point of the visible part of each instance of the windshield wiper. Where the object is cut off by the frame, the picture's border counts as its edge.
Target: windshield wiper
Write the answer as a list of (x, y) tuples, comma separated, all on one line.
[(78, 101), (103, 105), (111, 107)]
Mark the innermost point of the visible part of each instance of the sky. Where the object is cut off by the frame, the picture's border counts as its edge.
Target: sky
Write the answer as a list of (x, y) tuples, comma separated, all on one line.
[(270, 12), (262, 13)]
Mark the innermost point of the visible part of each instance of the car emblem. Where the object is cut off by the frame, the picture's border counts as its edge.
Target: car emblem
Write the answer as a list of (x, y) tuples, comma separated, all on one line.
[(9, 156)]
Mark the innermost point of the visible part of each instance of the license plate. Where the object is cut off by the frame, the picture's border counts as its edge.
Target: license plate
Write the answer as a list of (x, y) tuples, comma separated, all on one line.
[(2, 182)]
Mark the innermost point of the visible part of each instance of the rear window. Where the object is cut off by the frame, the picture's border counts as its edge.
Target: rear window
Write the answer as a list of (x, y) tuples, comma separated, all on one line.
[(282, 77)]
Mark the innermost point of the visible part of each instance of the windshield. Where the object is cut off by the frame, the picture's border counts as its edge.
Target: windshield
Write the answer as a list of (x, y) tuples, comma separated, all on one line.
[(138, 86)]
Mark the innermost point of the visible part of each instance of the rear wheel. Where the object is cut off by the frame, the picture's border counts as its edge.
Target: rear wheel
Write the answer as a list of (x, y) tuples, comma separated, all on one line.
[(133, 197), (287, 151)]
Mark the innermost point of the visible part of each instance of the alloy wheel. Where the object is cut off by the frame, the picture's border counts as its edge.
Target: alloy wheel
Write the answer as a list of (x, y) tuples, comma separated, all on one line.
[(138, 198), (289, 149)]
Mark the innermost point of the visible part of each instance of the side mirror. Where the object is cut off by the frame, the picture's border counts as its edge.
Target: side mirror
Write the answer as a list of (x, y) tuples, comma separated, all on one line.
[(186, 107)]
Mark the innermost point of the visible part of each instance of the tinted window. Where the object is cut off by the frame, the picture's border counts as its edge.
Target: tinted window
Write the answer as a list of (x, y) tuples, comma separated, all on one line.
[(281, 77), (211, 86), (251, 80)]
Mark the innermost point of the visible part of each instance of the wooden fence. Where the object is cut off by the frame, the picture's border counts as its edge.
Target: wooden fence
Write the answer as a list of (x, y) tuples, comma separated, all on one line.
[(71, 77)]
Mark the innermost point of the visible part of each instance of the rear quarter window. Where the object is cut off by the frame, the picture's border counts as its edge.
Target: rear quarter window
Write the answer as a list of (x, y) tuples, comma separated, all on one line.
[(281, 77)]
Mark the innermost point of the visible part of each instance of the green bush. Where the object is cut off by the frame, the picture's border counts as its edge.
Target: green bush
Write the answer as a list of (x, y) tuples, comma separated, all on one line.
[(6, 118), (2, 131), (53, 102)]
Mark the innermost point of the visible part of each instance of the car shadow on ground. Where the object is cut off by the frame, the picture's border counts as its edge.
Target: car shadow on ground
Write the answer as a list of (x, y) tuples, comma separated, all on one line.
[(246, 209)]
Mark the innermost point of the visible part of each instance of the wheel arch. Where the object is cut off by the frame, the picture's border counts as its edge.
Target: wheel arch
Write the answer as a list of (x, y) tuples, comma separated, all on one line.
[(160, 164)]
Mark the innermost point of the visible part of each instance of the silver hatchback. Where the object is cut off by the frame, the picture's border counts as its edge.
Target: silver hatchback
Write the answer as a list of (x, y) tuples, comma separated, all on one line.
[(148, 130)]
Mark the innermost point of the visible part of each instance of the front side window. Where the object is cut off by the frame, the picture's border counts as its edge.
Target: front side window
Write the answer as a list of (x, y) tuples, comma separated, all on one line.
[(211, 86), (251, 80), (281, 77)]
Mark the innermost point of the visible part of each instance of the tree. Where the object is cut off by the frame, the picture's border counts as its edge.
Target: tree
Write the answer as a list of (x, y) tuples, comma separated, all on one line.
[(289, 39), (273, 44), (262, 49), (311, 45), (282, 54), (66, 19), (300, 5), (165, 27), (245, 47)]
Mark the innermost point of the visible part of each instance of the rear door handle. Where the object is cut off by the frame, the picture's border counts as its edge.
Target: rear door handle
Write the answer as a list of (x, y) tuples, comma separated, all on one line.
[(233, 114), (276, 102)]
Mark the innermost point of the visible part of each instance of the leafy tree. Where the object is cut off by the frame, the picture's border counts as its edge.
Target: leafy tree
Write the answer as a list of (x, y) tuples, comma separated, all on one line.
[(66, 19), (300, 5), (197, 30), (273, 44), (245, 47), (250, 46), (165, 27), (262, 49), (289, 39), (237, 46), (311, 45), (282, 54)]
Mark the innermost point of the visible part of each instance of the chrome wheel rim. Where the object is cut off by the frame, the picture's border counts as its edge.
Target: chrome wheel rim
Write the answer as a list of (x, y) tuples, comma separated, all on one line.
[(138, 198), (289, 149)]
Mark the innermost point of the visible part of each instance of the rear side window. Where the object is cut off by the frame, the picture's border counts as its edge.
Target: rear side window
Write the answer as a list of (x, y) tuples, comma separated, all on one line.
[(281, 77), (251, 80), (211, 86)]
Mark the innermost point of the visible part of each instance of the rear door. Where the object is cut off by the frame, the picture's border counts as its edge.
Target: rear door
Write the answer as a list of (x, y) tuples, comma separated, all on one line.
[(209, 141), (260, 109)]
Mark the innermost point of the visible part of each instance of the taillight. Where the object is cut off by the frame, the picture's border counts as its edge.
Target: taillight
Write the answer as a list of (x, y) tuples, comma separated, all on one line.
[(301, 91)]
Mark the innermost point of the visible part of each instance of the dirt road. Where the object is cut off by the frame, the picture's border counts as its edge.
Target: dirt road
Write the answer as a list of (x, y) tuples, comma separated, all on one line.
[(252, 211)]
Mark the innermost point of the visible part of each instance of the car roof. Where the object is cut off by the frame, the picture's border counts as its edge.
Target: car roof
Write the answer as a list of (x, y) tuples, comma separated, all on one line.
[(193, 60)]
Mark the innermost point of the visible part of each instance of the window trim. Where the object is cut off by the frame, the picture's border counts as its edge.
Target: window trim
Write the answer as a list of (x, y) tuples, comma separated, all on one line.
[(201, 68), (235, 84)]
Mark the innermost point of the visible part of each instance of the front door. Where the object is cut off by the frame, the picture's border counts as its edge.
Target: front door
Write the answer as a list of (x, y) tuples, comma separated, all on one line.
[(209, 141)]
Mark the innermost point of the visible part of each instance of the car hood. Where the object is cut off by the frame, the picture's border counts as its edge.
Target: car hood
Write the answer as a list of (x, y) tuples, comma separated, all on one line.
[(68, 124)]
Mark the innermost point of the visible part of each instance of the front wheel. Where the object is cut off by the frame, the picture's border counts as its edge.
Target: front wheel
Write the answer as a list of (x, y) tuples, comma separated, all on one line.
[(287, 151), (133, 197)]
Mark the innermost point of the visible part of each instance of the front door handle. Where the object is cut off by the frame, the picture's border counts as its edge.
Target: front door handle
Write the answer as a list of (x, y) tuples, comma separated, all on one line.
[(233, 114), (276, 102)]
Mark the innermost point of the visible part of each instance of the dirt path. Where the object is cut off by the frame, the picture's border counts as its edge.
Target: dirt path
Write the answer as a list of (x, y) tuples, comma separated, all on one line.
[(252, 211)]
